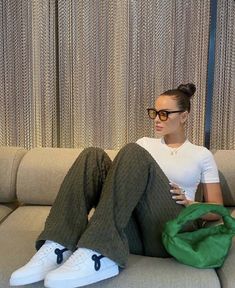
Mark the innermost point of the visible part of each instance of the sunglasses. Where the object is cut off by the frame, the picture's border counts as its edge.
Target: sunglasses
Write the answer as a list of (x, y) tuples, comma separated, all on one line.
[(162, 114)]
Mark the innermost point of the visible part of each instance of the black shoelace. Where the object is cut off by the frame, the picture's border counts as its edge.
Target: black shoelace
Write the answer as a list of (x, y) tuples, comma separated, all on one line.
[(96, 259), (59, 253)]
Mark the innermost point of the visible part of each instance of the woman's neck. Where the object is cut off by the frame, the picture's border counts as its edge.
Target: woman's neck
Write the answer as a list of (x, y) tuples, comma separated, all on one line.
[(174, 141)]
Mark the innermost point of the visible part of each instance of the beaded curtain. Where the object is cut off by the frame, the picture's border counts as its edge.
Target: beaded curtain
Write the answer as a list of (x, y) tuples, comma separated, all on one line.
[(82, 73), (223, 106)]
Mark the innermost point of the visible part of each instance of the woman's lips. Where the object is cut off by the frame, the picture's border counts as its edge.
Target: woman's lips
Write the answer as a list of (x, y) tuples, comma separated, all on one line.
[(159, 128)]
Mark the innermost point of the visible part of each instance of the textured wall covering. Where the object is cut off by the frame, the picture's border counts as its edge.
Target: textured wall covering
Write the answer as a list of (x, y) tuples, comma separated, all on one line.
[(223, 116), (28, 93), (116, 56), (82, 73)]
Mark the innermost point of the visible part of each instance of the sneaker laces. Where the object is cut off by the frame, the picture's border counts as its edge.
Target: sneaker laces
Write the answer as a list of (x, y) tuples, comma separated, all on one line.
[(48, 248), (80, 256), (96, 259), (59, 253)]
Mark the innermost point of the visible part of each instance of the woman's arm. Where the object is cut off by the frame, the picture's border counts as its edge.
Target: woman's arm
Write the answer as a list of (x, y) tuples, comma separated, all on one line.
[(212, 194)]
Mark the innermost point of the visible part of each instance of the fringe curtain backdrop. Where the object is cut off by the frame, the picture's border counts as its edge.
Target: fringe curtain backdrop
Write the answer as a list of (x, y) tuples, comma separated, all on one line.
[(223, 112), (28, 74), (82, 73), (116, 56)]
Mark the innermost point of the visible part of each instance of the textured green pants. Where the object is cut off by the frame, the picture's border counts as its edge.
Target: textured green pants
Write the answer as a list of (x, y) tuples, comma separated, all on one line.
[(132, 201)]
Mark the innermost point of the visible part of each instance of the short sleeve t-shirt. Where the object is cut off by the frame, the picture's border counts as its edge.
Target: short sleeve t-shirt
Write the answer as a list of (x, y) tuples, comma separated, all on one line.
[(186, 166)]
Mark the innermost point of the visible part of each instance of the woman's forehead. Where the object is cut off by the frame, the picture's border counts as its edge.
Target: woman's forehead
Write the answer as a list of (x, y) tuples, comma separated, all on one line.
[(165, 102)]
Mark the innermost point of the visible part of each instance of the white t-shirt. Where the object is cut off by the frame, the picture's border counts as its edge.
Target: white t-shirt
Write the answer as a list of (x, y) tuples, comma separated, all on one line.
[(186, 166)]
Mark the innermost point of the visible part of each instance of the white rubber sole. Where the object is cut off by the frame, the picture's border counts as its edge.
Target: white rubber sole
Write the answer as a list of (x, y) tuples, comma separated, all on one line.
[(73, 283)]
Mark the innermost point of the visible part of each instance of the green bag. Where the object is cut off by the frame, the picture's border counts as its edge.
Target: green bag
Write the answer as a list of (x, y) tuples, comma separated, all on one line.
[(205, 247)]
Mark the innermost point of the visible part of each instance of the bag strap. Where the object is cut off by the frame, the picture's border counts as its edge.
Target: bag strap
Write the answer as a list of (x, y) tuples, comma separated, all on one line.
[(195, 211)]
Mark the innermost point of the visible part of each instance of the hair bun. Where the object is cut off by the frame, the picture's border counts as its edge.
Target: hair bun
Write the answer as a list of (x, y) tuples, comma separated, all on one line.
[(189, 89)]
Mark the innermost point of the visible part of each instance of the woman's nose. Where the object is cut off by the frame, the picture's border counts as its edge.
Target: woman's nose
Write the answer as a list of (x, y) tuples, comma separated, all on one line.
[(157, 119)]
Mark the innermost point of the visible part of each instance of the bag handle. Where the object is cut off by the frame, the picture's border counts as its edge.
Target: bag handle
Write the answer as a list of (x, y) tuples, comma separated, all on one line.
[(195, 211)]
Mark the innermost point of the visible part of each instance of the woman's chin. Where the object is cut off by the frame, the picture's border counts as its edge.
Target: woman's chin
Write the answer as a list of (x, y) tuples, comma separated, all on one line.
[(159, 133)]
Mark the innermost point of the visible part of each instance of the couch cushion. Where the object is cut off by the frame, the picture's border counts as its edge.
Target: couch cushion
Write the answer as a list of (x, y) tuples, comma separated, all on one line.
[(41, 173), (19, 231), (17, 238), (149, 272), (225, 160), (10, 158), (4, 211)]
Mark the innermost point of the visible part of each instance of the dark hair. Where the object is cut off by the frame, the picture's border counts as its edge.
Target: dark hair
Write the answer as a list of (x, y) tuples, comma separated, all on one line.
[(182, 94)]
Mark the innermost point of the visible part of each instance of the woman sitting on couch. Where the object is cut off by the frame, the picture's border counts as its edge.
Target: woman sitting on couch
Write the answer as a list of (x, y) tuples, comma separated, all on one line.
[(148, 183)]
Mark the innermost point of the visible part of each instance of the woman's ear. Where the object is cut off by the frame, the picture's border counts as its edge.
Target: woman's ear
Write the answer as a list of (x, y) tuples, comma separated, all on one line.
[(184, 116)]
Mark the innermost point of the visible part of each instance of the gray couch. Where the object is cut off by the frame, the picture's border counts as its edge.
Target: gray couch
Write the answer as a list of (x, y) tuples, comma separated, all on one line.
[(33, 179)]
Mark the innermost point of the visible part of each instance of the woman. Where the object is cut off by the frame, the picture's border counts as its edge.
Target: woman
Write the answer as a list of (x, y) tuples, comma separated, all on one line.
[(148, 183)]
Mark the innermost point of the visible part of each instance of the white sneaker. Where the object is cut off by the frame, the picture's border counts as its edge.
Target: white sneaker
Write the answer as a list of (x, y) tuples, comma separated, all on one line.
[(82, 268), (50, 256)]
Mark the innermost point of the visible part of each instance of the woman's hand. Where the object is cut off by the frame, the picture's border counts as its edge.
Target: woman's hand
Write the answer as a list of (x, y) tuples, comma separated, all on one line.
[(178, 194)]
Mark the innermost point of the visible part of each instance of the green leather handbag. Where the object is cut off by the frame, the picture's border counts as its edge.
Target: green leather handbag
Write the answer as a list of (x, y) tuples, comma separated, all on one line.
[(202, 248)]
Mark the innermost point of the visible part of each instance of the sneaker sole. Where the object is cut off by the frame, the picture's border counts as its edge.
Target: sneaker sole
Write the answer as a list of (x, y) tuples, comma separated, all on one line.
[(73, 283)]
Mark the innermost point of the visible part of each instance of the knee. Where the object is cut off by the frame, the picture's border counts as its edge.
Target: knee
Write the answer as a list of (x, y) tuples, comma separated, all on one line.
[(97, 154), (133, 148), (92, 150)]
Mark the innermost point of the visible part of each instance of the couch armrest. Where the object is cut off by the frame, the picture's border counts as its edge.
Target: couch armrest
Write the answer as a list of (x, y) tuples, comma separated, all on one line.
[(226, 272), (225, 160)]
